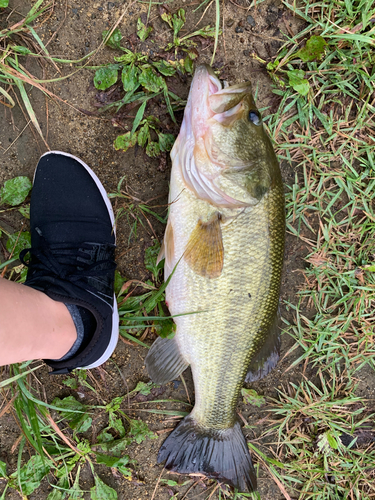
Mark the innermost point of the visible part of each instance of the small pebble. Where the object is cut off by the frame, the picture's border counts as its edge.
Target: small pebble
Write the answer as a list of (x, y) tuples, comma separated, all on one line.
[(250, 20), (238, 29), (100, 8), (229, 23)]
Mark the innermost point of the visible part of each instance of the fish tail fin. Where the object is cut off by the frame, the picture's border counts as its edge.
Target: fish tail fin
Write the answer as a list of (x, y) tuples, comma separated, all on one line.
[(218, 454)]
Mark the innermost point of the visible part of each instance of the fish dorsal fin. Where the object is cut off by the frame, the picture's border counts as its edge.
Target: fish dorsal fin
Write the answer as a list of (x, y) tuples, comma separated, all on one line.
[(205, 251), (268, 355)]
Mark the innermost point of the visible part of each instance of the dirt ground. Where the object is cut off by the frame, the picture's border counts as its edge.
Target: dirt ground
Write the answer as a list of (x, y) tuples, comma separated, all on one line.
[(79, 25)]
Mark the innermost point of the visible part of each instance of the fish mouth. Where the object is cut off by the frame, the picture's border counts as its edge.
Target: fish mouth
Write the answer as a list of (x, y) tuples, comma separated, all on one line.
[(208, 98)]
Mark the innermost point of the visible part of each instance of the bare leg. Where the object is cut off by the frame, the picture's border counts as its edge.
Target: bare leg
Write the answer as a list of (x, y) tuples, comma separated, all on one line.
[(32, 326)]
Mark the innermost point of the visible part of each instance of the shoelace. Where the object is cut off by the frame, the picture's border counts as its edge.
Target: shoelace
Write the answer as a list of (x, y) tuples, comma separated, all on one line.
[(69, 263)]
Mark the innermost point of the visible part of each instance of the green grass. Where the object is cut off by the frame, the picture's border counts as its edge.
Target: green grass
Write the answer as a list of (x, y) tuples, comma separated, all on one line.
[(328, 135), (324, 127)]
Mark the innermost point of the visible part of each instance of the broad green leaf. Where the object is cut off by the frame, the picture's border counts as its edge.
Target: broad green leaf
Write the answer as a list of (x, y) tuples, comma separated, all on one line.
[(71, 382), (69, 403), (153, 149), (142, 30), (3, 469), (110, 461), (21, 50), (326, 442), (167, 328), (150, 81), (143, 388), (15, 190), (117, 425), (104, 436), (17, 242), (3, 4), (140, 431), (30, 475), (314, 49), (332, 440), (125, 141), (128, 57), (79, 422), (25, 211), (119, 281), (298, 82), (251, 397), (143, 135), (175, 21), (167, 17), (115, 446), (166, 141), (101, 491), (114, 40), (164, 68), (129, 77), (106, 77), (188, 65), (370, 268)]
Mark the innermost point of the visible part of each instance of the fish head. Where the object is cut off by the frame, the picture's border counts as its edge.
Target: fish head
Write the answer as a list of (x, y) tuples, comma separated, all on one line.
[(225, 154)]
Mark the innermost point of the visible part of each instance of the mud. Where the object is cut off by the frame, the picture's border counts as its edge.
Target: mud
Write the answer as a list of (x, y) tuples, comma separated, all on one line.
[(76, 27)]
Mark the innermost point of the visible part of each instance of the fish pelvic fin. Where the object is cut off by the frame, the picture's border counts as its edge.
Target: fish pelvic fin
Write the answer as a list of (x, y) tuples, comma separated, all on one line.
[(164, 361), (205, 251), (218, 454), (267, 357)]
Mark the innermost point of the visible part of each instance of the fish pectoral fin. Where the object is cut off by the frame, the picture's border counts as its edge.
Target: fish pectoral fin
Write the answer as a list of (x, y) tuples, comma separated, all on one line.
[(167, 248), (161, 254), (164, 362), (268, 355), (205, 251)]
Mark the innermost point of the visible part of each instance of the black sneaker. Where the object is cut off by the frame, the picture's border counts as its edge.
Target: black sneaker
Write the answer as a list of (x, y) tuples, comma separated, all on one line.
[(72, 251)]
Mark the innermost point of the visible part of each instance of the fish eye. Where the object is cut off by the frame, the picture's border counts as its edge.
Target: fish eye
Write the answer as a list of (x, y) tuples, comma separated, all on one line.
[(254, 117)]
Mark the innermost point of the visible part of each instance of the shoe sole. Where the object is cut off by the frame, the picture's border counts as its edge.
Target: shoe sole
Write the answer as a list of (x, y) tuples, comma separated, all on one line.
[(115, 317)]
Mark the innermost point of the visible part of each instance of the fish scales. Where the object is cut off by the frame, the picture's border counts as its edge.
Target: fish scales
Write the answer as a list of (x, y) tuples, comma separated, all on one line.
[(219, 342), (224, 244)]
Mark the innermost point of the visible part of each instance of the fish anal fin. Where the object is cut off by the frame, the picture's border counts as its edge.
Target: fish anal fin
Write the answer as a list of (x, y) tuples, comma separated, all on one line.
[(267, 357), (219, 454), (164, 361), (205, 251)]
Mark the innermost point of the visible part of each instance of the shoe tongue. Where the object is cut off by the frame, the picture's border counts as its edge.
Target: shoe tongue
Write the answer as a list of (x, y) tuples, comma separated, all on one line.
[(66, 232)]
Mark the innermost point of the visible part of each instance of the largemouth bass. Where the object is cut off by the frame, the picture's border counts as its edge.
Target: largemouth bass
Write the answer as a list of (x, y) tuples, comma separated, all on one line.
[(225, 242)]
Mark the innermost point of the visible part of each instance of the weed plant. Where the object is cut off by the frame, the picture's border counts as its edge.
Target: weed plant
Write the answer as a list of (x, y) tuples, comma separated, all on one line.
[(324, 126)]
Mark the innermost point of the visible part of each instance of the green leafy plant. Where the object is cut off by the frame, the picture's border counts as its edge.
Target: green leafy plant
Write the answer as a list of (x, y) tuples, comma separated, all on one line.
[(144, 79)]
